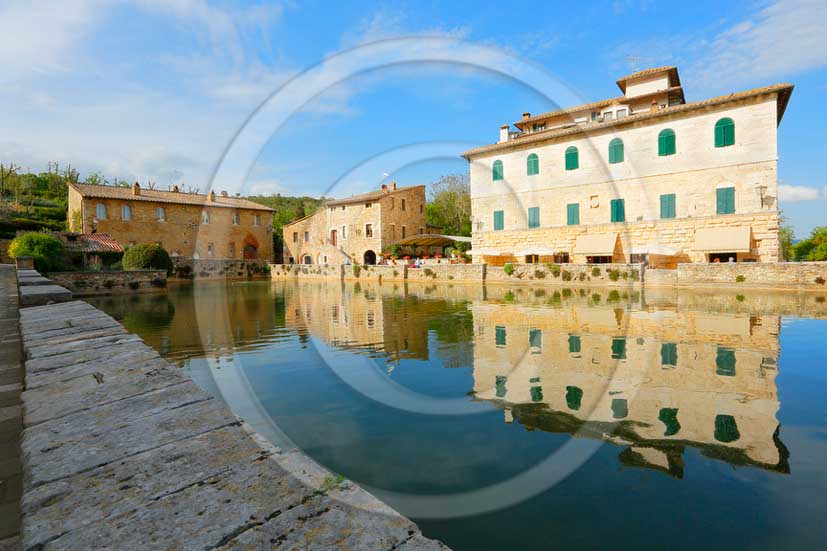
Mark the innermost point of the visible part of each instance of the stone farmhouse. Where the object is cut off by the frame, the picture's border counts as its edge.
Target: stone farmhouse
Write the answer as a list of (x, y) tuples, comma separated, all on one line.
[(357, 229), (644, 176), (187, 225)]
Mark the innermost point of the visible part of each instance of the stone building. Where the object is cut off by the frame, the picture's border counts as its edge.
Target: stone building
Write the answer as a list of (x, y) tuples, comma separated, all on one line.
[(188, 225), (356, 229), (642, 176)]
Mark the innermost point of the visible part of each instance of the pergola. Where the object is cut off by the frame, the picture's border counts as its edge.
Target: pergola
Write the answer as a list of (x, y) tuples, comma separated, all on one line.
[(432, 240)]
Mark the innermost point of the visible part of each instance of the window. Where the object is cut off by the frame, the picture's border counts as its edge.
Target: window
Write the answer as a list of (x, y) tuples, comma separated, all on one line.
[(669, 354), (307, 237), (499, 220), (572, 158), (618, 210), (725, 362), (534, 217), (725, 200), (497, 171), (573, 214), (574, 344), (368, 230), (500, 385), (421, 231), (724, 132), (621, 113), (666, 142), (574, 396), (533, 165), (404, 232), (616, 151), (620, 408), (232, 250), (403, 204), (607, 116), (236, 219), (205, 217), (499, 335), (210, 248), (536, 393), (295, 237), (160, 214), (256, 220), (100, 211), (669, 418), (619, 349), (368, 205), (344, 232), (126, 212), (535, 340), (726, 429), (667, 206)]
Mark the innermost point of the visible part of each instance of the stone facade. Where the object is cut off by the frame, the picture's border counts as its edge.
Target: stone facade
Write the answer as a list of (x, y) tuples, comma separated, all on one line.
[(666, 198), (358, 229), (108, 283), (189, 225), (189, 268)]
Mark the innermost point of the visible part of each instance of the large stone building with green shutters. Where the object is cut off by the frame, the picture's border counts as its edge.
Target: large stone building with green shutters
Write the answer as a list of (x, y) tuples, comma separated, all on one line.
[(642, 176)]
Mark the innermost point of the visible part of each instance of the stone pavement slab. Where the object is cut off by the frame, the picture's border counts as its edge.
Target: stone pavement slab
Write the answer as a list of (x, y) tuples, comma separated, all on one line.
[(43, 294)]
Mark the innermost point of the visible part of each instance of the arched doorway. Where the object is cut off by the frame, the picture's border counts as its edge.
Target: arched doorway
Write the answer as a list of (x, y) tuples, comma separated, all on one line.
[(307, 259), (370, 258), (250, 251)]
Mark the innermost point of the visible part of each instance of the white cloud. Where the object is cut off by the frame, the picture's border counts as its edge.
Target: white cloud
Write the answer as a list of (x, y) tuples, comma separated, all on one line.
[(794, 194)]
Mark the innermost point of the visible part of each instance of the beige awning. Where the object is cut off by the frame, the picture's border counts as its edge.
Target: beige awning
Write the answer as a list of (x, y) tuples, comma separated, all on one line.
[(654, 249), (596, 244), (723, 240), (538, 250), (484, 252)]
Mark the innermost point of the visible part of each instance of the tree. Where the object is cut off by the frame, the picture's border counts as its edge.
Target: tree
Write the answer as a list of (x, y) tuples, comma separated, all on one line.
[(813, 248), (449, 204), (147, 256), (785, 236), (8, 173), (46, 250)]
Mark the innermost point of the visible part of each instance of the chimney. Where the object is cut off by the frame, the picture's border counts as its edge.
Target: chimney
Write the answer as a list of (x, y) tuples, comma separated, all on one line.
[(212, 196), (503, 133), (224, 193), (393, 185), (526, 115), (175, 189), (136, 189), (384, 187)]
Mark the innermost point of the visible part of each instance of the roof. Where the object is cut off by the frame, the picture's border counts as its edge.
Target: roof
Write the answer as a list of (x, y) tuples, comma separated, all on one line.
[(783, 90), (157, 196), (432, 240), (89, 242), (370, 196), (672, 69)]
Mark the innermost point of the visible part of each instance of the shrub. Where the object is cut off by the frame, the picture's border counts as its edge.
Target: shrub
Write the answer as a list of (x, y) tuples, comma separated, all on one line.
[(508, 269), (635, 275), (566, 275), (508, 296), (46, 250), (614, 275), (595, 271), (740, 279), (554, 269), (356, 270), (539, 274), (427, 272), (147, 257)]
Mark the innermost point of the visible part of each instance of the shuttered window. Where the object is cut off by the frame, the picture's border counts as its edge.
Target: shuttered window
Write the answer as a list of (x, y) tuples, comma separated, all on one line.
[(666, 142), (667, 206), (618, 349), (618, 210), (573, 214), (534, 217), (725, 200), (725, 362), (574, 396), (533, 165), (669, 354), (616, 151), (574, 344), (572, 158), (500, 335), (669, 418), (498, 170), (724, 132), (500, 385), (726, 429), (499, 220), (535, 340), (620, 408), (536, 394)]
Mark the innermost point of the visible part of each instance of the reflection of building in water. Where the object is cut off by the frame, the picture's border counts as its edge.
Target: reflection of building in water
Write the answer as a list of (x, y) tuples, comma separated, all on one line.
[(653, 381)]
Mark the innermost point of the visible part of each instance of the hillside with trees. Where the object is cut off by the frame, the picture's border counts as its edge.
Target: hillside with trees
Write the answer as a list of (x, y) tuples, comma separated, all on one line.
[(287, 209), (33, 201)]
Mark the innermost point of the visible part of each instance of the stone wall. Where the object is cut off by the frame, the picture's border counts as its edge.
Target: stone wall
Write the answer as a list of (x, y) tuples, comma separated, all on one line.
[(188, 268), (567, 274), (448, 272), (305, 271), (810, 275), (107, 283), (660, 278), (4, 252)]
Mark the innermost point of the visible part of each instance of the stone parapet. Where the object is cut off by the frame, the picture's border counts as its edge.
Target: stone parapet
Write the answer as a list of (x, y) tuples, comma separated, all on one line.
[(107, 283), (208, 268)]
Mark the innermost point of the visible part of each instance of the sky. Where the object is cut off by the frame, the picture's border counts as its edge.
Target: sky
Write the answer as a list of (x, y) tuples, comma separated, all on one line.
[(334, 98)]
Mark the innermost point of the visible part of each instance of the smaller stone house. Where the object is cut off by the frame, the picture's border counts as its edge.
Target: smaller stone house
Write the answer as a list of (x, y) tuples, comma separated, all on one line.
[(356, 229), (187, 225)]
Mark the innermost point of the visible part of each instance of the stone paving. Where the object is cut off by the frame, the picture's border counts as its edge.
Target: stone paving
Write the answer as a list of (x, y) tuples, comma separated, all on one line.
[(123, 451), (11, 379)]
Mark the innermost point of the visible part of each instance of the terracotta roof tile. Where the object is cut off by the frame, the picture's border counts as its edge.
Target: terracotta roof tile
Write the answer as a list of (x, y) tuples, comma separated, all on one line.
[(157, 196), (370, 196), (90, 242)]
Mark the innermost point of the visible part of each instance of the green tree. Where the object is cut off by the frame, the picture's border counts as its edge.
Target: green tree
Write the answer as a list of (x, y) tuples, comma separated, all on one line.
[(785, 236), (147, 256), (449, 204), (813, 248), (46, 250)]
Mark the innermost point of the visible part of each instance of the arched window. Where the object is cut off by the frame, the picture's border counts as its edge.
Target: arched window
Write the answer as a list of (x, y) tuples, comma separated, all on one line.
[(498, 170), (724, 132), (160, 214), (666, 142), (533, 165), (236, 219), (100, 211), (126, 212), (205, 217), (572, 158), (616, 151)]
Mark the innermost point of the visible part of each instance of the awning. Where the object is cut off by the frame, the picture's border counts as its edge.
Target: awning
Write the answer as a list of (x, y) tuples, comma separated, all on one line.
[(432, 240), (596, 244), (484, 252), (723, 240), (661, 250), (539, 251)]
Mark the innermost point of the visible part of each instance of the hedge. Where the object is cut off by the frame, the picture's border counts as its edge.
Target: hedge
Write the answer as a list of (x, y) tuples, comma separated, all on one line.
[(46, 250), (147, 256)]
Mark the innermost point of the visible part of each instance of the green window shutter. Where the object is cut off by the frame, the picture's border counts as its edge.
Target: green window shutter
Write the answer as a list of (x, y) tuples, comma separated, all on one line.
[(533, 165), (500, 335), (574, 344), (619, 349), (616, 151), (725, 362), (536, 394), (725, 200), (726, 429), (620, 408), (669, 353), (499, 220), (669, 417), (534, 217), (574, 396), (666, 142), (667, 206), (500, 385), (572, 158), (535, 338), (573, 214), (497, 170), (618, 210), (724, 132)]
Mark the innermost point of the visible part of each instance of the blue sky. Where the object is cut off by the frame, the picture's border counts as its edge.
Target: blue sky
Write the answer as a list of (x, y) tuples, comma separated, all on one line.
[(156, 90)]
